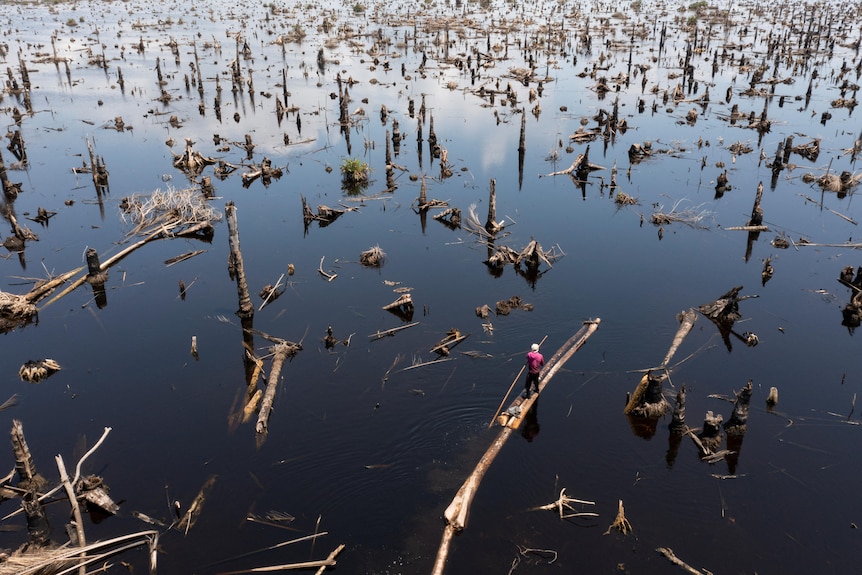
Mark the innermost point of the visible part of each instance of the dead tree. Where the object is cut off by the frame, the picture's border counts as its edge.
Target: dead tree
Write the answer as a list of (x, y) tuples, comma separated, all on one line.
[(648, 398), (724, 312), (246, 309), (491, 225), (737, 424)]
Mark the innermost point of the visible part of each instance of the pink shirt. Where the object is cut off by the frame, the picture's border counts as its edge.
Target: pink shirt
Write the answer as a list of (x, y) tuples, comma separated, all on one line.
[(535, 361)]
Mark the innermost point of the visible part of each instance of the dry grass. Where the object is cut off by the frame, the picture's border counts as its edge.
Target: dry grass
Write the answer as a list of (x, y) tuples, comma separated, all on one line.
[(167, 209), (68, 559)]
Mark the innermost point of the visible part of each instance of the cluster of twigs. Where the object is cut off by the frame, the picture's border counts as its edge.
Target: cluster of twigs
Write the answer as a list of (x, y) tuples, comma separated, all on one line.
[(692, 216), (169, 211)]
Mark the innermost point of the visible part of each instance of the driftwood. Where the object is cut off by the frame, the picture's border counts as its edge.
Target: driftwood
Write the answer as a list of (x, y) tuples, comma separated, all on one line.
[(668, 553), (686, 320), (581, 166), (532, 255), (270, 292), (565, 503), (453, 338), (391, 331), (64, 559), (450, 216), (170, 214), (502, 256), (724, 312), (329, 276), (458, 510), (324, 216), (39, 555), (403, 307), (281, 352), (191, 162), (620, 523), (192, 514)]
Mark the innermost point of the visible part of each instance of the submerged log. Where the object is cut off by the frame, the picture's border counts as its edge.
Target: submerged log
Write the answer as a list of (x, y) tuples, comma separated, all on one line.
[(453, 338)]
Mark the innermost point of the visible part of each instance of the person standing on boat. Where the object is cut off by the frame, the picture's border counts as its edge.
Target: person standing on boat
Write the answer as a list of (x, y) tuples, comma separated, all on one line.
[(535, 361)]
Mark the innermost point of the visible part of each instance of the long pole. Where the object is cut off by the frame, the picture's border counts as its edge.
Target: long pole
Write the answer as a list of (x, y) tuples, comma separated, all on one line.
[(511, 387)]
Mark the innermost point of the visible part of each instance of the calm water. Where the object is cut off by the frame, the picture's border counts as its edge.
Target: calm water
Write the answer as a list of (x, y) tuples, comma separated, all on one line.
[(360, 448)]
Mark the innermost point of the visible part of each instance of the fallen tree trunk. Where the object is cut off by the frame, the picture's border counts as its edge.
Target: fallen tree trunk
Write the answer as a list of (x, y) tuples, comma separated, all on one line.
[(457, 511), (280, 353)]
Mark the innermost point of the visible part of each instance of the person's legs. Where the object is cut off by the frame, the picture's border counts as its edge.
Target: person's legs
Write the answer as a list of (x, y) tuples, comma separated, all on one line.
[(532, 384)]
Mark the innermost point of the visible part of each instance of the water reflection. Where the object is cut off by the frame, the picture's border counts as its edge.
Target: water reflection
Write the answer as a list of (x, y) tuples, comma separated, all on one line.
[(530, 427)]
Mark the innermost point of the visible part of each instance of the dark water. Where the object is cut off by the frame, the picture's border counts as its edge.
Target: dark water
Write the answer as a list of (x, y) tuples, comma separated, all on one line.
[(373, 454)]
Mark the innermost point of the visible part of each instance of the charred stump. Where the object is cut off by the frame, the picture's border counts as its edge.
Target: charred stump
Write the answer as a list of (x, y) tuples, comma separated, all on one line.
[(648, 398), (677, 422), (97, 277), (402, 307), (737, 424), (724, 312), (710, 434)]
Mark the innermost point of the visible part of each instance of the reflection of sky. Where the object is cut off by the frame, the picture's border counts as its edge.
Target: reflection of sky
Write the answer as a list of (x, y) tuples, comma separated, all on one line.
[(615, 266)]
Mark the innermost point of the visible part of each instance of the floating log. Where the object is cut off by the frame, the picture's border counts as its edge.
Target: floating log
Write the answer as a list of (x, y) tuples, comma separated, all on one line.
[(686, 320), (581, 166), (453, 338), (668, 553), (457, 511), (194, 511), (281, 352), (391, 331)]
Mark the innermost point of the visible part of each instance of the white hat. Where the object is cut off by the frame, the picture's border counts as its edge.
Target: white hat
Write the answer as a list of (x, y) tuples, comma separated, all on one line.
[(535, 347)]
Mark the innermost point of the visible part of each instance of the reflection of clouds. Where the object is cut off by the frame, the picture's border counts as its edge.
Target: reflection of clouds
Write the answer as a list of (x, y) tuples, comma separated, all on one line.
[(492, 152)]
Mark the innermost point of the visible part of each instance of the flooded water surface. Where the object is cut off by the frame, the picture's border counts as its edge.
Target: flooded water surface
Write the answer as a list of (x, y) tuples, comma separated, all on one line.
[(629, 141)]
